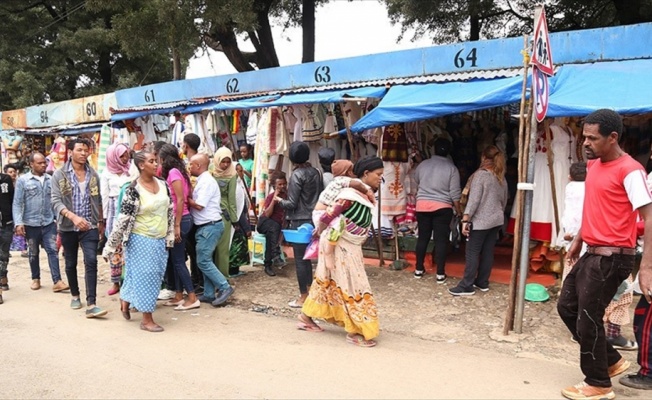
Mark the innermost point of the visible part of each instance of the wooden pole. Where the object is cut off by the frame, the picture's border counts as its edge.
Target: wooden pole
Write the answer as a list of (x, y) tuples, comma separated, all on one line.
[(379, 239), (349, 136), (523, 146), (551, 160)]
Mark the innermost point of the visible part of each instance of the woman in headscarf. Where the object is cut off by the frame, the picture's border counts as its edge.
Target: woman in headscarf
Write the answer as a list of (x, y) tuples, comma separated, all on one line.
[(225, 174), (118, 171), (303, 193), (340, 293)]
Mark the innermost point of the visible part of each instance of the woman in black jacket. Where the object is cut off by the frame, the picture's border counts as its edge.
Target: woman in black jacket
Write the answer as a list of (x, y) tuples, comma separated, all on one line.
[(303, 192)]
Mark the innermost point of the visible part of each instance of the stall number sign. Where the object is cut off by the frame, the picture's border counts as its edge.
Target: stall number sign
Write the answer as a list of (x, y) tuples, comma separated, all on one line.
[(541, 53), (93, 109), (14, 119)]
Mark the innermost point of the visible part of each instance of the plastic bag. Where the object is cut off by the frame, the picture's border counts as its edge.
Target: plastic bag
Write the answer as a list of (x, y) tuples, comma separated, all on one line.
[(312, 251)]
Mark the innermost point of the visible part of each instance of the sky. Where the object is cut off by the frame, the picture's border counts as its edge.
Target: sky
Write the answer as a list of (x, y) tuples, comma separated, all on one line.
[(342, 29)]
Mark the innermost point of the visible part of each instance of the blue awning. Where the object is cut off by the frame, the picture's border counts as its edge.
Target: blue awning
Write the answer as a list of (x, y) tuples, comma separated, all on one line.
[(243, 104), (408, 103), (331, 96), (623, 86), (122, 116)]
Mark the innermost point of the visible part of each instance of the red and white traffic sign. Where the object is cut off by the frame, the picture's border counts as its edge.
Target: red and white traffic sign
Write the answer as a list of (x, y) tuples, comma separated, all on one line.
[(541, 93), (541, 53)]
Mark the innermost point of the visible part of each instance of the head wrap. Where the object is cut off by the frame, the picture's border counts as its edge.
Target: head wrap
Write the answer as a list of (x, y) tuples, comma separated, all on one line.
[(221, 154), (342, 168), (113, 162), (326, 158), (299, 152), (370, 163)]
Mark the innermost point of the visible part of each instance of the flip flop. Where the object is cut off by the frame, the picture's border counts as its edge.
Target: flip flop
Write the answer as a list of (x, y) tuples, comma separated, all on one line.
[(309, 328), (157, 328), (360, 341), (295, 304)]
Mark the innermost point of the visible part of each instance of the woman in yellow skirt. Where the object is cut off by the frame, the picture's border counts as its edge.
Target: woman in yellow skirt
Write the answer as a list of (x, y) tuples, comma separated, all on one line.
[(340, 292)]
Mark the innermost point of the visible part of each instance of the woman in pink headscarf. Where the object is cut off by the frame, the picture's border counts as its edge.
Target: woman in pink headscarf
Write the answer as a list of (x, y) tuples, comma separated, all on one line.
[(117, 172)]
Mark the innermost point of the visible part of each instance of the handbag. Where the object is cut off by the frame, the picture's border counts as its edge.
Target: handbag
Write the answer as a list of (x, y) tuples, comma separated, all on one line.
[(312, 251)]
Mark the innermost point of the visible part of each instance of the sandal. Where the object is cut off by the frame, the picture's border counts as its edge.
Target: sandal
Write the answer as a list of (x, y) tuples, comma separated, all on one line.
[(308, 326), (173, 303), (360, 341), (295, 304), (125, 310), (155, 328)]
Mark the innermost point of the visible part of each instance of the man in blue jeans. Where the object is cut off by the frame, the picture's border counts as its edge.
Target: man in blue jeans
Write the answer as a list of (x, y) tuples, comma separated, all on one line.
[(76, 200), (34, 219), (207, 217)]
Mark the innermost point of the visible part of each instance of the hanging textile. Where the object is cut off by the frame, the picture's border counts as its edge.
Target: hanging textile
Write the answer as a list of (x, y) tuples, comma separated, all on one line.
[(313, 128), (394, 191), (252, 128), (395, 145), (105, 142), (278, 143)]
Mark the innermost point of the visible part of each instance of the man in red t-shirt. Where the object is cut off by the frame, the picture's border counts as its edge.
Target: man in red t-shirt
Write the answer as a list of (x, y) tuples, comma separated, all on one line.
[(615, 190), (271, 221)]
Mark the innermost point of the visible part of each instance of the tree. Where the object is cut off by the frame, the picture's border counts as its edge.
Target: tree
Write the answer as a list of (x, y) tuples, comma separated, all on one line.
[(452, 21), (226, 20), (56, 50)]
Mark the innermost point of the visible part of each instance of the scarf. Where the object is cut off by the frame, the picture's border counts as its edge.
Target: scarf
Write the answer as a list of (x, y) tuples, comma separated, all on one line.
[(113, 161), (221, 154), (342, 168)]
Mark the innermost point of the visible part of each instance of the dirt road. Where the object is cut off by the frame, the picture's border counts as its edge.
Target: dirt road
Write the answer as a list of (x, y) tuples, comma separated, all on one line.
[(51, 351)]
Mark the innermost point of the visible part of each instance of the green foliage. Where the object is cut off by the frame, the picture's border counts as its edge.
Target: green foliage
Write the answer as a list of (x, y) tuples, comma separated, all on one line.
[(449, 21)]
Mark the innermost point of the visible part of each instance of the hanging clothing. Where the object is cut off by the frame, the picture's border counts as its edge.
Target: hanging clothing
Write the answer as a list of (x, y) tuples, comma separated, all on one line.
[(146, 125), (394, 192), (395, 145)]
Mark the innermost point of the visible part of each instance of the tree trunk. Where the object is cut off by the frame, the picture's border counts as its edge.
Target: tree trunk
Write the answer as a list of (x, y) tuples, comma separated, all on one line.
[(104, 69), (474, 33), (630, 12), (224, 40), (308, 25), (267, 56), (176, 65)]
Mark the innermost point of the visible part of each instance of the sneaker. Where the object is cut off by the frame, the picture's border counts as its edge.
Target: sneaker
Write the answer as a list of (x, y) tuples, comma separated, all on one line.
[(419, 273), (36, 284), (622, 343), (481, 288), (95, 312), (269, 270), (458, 291), (75, 304), (166, 294), (60, 286), (205, 299), (279, 263), (618, 368), (441, 278), (637, 381), (223, 296), (585, 391)]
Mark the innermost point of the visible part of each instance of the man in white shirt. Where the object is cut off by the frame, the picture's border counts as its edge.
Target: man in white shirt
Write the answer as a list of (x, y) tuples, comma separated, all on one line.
[(207, 217)]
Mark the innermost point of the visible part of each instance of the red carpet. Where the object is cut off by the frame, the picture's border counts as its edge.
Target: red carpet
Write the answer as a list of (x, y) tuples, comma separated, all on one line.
[(500, 273)]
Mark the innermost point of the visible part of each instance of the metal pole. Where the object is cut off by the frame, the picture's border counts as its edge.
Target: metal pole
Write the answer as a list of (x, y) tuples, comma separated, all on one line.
[(527, 211)]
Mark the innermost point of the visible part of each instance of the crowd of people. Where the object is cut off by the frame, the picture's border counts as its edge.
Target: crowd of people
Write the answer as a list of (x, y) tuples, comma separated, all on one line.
[(159, 207)]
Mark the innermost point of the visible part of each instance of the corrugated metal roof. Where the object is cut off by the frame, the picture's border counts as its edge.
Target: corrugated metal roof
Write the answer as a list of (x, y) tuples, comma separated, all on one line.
[(451, 77), (153, 107)]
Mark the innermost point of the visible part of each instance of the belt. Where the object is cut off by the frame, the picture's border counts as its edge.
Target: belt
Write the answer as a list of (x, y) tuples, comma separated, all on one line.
[(208, 223), (608, 251)]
